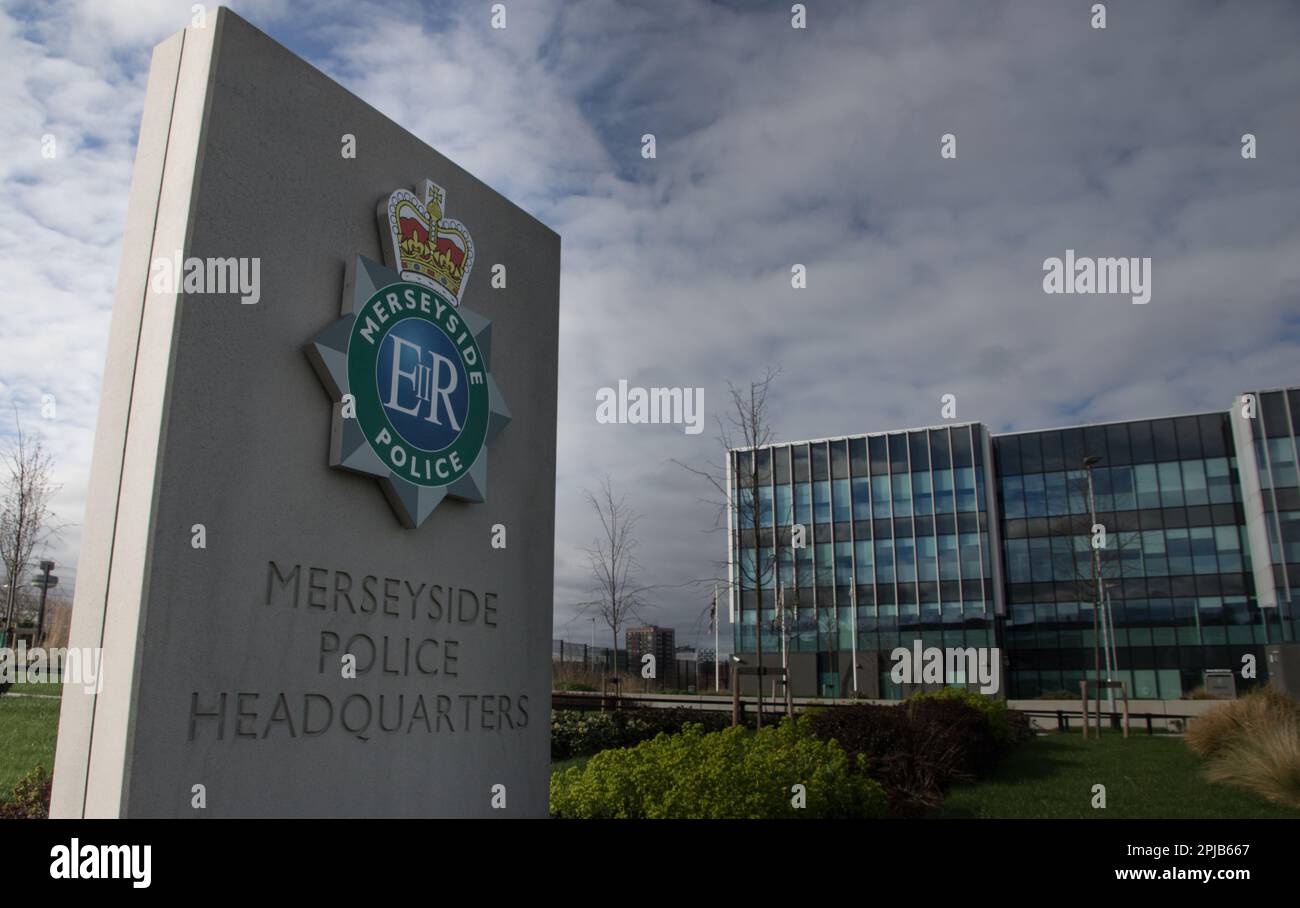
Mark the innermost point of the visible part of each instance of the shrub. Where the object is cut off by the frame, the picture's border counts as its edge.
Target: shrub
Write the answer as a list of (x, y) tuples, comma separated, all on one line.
[(1264, 759), (1253, 743), (573, 686), (916, 756), (1006, 731), (1210, 733), (920, 748), (730, 774), (31, 797), (577, 733)]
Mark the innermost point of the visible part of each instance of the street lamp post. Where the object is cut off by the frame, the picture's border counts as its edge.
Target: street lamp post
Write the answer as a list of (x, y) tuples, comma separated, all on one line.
[(1108, 615), (1088, 463), (45, 581)]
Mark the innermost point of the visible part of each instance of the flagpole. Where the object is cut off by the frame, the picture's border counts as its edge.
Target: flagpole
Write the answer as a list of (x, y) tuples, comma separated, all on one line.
[(854, 635), (717, 657), (785, 659)]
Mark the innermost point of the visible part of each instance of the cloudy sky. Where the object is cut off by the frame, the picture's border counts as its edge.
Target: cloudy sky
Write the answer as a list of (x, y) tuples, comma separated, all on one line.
[(775, 146)]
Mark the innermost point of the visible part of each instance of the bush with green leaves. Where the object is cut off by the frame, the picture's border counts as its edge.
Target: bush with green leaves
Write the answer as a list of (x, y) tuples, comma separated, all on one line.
[(730, 774), (1007, 726), (918, 749), (565, 686), (31, 797)]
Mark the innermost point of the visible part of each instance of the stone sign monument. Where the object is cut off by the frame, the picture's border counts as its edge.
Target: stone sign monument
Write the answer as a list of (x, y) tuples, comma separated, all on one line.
[(318, 544)]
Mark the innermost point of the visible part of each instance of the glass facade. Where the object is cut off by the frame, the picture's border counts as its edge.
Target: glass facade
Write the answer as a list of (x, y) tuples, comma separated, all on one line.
[(1266, 431), (896, 531), (954, 537)]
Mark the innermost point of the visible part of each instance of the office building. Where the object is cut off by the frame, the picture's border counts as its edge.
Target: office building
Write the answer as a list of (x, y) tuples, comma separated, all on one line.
[(957, 537)]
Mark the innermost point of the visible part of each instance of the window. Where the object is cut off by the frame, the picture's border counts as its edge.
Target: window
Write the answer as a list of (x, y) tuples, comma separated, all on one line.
[(861, 498), (885, 561), (1203, 550), (843, 564), (1017, 560), (1218, 480), (1057, 502), (1148, 486), (822, 501), (1031, 454), (784, 506), (905, 558), (1171, 485), (1282, 460), (948, 558), (785, 559), (765, 505), (1227, 544), (1063, 559), (748, 566), (1180, 552), (803, 503), (965, 477), (922, 493), (842, 510), (825, 564), (744, 504), (1040, 558), (1265, 477), (804, 564), (902, 484), (863, 552), (926, 558), (970, 555), (943, 498), (919, 450), (1013, 496), (1194, 482), (880, 496), (1290, 522), (839, 460), (1123, 488), (1035, 496), (1130, 554)]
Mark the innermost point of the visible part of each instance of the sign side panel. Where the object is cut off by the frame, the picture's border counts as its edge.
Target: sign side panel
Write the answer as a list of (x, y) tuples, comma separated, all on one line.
[(71, 759), (129, 570)]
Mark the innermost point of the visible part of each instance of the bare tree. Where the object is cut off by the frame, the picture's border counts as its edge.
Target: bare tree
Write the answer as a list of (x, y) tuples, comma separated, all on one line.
[(617, 597), (736, 487), (1102, 568), (25, 513)]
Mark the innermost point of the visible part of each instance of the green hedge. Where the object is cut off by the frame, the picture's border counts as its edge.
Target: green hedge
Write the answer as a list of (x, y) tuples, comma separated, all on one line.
[(31, 797), (731, 774), (918, 749), (1007, 727), (579, 733)]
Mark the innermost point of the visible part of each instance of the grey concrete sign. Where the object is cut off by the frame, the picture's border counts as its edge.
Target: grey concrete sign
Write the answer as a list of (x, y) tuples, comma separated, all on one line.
[(310, 599)]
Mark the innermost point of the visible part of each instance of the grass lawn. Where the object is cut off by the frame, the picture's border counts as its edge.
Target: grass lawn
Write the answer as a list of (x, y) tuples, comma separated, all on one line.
[(38, 690), (28, 729), (1154, 777)]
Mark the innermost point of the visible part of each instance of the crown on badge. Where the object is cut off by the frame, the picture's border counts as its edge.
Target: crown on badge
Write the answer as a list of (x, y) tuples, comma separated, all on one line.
[(425, 247)]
